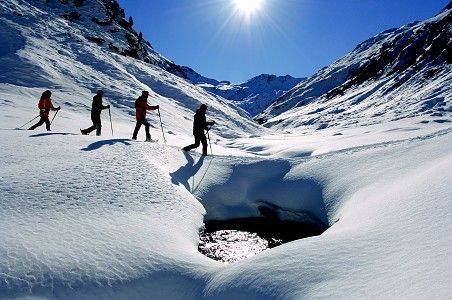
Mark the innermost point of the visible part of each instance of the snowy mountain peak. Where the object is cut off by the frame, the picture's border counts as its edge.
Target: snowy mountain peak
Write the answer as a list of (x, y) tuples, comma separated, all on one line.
[(255, 94)]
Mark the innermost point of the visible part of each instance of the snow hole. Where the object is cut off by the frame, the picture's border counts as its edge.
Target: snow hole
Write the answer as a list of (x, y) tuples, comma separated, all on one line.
[(258, 207)]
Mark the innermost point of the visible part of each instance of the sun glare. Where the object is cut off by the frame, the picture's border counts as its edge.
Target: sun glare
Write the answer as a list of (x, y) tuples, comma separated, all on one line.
[(248, 7)]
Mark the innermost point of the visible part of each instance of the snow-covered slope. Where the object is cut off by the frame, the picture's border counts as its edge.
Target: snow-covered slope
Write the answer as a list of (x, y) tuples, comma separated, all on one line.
[(397, 74), (42, 49), (108, 218), (253, 95), (87, 217)]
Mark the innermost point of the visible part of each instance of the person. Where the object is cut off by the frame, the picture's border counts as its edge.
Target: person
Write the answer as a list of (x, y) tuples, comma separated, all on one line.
[(199, 125), (96, 109), (45, 105), (141, 106)]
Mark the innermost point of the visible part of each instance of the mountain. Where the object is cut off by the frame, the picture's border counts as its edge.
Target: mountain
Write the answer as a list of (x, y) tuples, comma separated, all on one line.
[(196, 78), (397, 74), (253, 95), (77, 47), (103, 25)]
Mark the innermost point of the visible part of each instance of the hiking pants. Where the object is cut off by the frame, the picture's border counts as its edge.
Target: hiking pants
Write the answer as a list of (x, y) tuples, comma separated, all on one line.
[(138, 126), (97, 124), (198, 138), (41, 121)]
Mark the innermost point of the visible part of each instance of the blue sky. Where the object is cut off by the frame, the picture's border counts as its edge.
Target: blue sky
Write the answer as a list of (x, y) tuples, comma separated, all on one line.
[(295, 37)]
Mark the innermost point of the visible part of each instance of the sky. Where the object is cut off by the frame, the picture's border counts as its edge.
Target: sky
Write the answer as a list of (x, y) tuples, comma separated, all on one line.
[(221, 40)]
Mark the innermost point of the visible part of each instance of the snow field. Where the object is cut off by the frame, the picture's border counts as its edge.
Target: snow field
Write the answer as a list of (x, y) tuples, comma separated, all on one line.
[(74, 220), (94, 217)]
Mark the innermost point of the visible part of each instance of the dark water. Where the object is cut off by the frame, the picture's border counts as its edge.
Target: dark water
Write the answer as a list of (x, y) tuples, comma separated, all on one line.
[(233, 240)]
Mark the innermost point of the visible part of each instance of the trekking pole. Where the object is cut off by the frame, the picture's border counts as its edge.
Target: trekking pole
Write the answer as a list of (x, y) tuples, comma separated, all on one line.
[(210, 144), (161, 125), (111, 124), (54, 117), (28, 122)]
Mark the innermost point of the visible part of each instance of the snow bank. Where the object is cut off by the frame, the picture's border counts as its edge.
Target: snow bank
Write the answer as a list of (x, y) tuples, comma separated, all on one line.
[(247, 187), (392, 207)]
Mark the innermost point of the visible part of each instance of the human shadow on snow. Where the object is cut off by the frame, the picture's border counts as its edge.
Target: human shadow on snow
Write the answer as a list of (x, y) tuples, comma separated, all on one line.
[(98, 144), (189, 170), (51, 133)]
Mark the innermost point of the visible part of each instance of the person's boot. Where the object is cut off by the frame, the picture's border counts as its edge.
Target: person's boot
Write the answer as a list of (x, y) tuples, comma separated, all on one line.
[(83, 132)]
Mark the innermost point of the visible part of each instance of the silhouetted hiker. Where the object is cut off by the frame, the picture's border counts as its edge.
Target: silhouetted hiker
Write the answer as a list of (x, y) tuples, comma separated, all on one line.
[(141, 106), (199, 124), (96, 109), (45, 105)]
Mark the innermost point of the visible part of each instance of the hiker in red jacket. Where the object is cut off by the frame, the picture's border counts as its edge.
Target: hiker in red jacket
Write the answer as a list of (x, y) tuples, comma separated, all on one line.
[(45, 105), (141, 106)]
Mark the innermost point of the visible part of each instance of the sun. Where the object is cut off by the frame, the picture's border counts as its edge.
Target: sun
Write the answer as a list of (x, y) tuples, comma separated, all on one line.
[(248, 7)]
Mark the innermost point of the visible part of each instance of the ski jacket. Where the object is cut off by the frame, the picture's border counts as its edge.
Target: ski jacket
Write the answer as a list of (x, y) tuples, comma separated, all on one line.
[(141, 107), (97, 105), (200, 123), (45, 105)]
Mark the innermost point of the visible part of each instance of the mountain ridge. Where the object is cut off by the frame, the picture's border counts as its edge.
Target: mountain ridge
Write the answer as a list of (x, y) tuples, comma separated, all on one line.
[(391, 65), (255, 94)]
